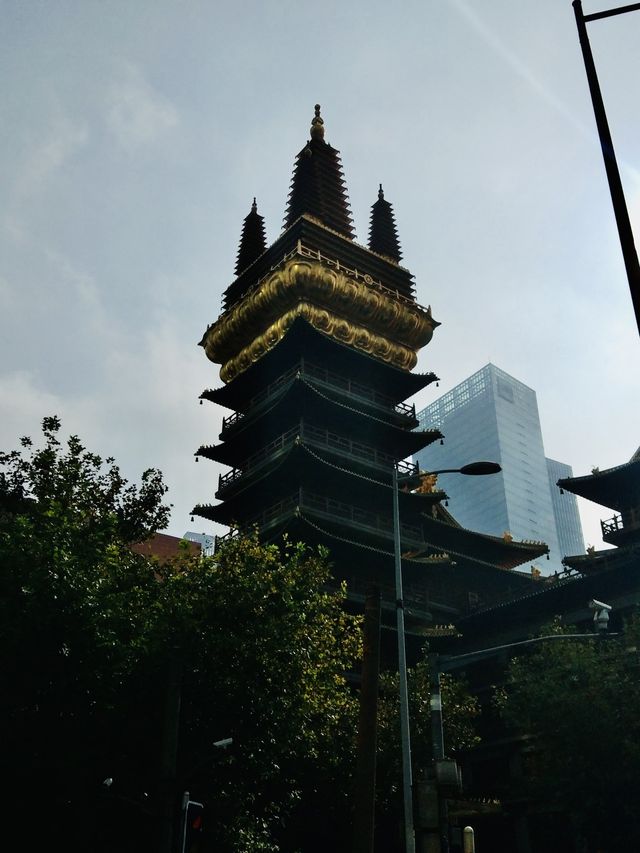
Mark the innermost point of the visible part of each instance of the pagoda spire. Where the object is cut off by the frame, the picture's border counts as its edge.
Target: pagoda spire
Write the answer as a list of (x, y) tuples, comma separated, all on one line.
[(383, 237), (317, 186), (252, 242)]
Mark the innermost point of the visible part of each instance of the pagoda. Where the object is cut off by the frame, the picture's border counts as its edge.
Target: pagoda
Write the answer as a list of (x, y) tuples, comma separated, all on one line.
[(317, 342), (617, 489)]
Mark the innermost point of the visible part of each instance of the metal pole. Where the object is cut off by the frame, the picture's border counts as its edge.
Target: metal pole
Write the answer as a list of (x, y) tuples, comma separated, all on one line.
[(625, 231), (435, 703), (365, 781), (407, 783), (437, 745), (469, 840), (183, 818)]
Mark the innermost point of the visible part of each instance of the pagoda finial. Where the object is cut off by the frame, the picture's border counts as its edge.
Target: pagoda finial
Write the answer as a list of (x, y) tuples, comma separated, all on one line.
[(253, 241), (317, 187), (317, 124), (383, 237)]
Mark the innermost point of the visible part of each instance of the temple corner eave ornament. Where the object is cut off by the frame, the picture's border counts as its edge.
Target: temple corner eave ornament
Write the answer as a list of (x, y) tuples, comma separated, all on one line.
[(351, 310)]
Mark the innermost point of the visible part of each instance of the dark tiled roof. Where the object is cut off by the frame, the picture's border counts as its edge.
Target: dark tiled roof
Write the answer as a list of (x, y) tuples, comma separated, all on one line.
[(330, 244), (318, 187), (616, 488), (252, 242), (383, 236), (302, 338)]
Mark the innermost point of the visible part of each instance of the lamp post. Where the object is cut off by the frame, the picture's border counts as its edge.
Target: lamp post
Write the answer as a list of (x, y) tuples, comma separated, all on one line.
[(625, 232), (407, 781), (473, 469)]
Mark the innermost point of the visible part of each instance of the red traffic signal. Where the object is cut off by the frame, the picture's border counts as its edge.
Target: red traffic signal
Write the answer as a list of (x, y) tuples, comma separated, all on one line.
[(192, 817)]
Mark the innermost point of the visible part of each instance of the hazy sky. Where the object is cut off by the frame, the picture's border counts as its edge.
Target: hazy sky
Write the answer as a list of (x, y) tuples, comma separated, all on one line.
[(135, 135)]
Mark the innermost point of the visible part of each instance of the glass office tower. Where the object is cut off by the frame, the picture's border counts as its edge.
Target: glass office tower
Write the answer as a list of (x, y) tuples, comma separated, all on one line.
[(565, 509), (495, 417)]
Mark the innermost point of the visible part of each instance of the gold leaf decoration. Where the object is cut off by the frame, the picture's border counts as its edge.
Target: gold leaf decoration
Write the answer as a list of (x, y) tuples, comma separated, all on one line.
[(353, 311)]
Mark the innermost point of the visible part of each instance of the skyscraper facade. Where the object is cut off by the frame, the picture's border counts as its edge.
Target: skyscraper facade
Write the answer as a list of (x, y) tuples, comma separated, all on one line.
[(495, 417), (565, 509)]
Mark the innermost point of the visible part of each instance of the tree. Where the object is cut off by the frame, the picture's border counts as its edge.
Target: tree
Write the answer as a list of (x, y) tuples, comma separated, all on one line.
[(87, 629), (581, 701), (69, 584), (270, 675), (93, 636)]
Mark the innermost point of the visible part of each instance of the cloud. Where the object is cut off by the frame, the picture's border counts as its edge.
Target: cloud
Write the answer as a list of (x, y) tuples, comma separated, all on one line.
[(6, 296), (80, 283), (63, 139), (516, 64), (137, 114), (144, 412), (15, 230), (24, 405)]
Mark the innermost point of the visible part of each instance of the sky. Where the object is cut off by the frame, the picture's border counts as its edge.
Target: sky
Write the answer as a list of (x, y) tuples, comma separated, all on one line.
[(136, 134)]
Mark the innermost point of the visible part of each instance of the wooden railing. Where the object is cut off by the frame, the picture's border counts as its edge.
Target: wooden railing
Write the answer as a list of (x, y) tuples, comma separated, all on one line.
[(320, 438), (332, 381)]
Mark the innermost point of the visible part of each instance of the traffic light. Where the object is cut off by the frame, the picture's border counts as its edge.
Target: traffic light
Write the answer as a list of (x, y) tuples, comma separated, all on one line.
[(192, 824)]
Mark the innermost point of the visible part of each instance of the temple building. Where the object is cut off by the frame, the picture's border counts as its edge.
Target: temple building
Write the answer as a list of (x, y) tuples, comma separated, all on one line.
[(617, 489), (609, 575), (317, 341)]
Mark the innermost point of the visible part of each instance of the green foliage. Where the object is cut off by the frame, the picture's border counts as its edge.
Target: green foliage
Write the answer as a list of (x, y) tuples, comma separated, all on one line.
[(272, 676), (581, 701), (90, 633), (69, 621)]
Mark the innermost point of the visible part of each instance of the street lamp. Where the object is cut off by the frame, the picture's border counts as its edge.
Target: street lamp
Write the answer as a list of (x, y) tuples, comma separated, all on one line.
[(411, 481), (473, 469)]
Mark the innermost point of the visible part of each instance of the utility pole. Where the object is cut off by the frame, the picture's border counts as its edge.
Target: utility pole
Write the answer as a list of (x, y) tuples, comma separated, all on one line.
[(625, 231), (365, 779), (169, 754), (407, 781)]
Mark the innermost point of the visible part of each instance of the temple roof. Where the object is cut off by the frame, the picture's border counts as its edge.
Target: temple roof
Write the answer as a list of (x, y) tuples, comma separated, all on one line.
[(458, 541), (616, 582), (318, 187), (383, 237), (325, 405), (245, 443), (245, 492), (252, 242), (302, 338), (326, 243), (594, 562), (359, 525), (616, 488)]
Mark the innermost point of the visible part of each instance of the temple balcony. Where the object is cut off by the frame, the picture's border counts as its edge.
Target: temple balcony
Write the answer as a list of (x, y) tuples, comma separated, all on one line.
[(405, 414), (338, 513), (350, 452), (360, 519), (622, 529), (301, 340), (257, 461), (355, 393), (256, 403)]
